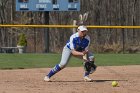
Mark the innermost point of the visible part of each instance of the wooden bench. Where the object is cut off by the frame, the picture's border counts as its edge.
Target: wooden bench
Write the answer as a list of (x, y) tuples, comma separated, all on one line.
[(8, 49)]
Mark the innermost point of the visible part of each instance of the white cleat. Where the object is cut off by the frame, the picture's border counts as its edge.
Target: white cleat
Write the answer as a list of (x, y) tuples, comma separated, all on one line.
[(87, 79), (47, 79)]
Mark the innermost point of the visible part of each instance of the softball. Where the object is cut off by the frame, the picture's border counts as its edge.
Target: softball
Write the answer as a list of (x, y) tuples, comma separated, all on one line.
[(114, 83)]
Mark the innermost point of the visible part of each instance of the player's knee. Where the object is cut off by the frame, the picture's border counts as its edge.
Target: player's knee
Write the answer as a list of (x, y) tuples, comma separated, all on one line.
[(91, 58), (62, 66)]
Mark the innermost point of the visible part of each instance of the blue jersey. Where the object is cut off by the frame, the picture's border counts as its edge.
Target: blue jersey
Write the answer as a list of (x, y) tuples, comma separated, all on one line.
[(77, 43)]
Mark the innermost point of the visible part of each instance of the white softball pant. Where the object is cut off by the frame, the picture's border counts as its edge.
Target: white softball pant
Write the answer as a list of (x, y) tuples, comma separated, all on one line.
[(66, 54)]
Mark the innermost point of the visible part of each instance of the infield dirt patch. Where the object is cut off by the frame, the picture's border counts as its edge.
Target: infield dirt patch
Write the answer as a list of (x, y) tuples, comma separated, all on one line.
[(70, 80)]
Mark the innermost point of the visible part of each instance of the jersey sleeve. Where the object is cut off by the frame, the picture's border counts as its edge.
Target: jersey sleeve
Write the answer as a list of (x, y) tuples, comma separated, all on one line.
[(71, 42), (88, 43)]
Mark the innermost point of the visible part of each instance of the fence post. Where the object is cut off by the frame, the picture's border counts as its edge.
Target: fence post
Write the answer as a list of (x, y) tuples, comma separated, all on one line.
[(123, 38), (74, 24), (46, 32)]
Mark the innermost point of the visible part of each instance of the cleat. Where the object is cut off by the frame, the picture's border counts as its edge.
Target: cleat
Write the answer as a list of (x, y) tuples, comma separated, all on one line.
[(47, 79), (87, 79)]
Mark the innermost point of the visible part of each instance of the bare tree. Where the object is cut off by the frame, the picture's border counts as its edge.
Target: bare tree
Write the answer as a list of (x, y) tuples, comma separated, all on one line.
[(100, 12)]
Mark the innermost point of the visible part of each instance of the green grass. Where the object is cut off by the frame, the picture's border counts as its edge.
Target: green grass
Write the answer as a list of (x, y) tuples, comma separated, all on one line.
[(21, 61), (118, 59)]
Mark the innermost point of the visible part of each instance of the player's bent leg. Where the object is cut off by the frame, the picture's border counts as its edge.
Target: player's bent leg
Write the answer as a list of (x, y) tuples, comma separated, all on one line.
[(92, 62), (89, 66), (87, 72)]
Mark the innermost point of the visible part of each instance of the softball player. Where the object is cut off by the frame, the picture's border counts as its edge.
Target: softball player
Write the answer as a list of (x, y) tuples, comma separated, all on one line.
[(76, 46)]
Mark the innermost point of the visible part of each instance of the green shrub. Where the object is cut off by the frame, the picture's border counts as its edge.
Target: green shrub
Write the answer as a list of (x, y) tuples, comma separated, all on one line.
[(22, 40)]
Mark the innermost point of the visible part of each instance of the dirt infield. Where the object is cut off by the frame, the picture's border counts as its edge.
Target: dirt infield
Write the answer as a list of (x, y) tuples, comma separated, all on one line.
[(70, 80)]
